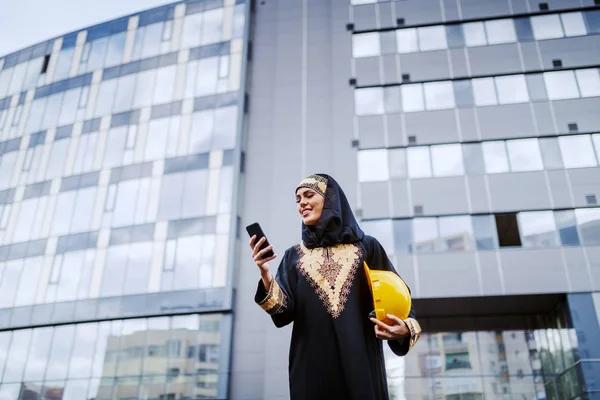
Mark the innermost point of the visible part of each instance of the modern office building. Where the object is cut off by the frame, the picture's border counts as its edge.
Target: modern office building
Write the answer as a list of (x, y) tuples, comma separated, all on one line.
[(133, 153)]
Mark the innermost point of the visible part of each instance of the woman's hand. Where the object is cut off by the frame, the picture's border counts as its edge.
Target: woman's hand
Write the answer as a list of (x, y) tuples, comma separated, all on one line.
[(262, 263), (395, 329)]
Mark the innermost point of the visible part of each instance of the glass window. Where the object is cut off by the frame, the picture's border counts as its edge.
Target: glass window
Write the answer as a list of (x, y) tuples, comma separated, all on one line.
[(381, 229), (84, 210), (106, 97), (524, 155), (202, 132), (138, 268), (195, 193), (593, 21), (388, 42), (419, 162), (447, 160), (494, 155), (164, 87), (192, 27), (97, 54), (70, 104), (365, 45), (589, 82), (463, 92), (125, 93), (115, 146), (392, 96), (412, 98), (63, 64), (397, 163), (406, 40), (372, 165), (432, 38), (9, 283), (369, 101), (16, 83), (456, 38), (4, 346), (512, 89), (484, 229), (551, 153), (115, 268), (536, 87), (187, 260), (171, 192), (484, 91), (213, 26), (573, 24), (500, 31), (144, 88), (403, 236), (58, 361), (152, 39), (425, 231), (38, 354), (561, 85), (596, 140), (439, 95), (474, 34), (207, 77), (116, 47), (577, 151), (538, 229), (30, 275), (567, 227), (225, 128), (473, 159), (588, 220), (456, 233), (546, 27), (52, 111), (17, 356)]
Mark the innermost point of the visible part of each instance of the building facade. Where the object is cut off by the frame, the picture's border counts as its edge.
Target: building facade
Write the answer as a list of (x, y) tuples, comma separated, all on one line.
[(465, 134), (119, 167)]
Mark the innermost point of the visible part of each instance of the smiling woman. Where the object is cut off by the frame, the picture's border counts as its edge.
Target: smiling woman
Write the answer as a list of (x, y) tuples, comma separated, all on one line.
[(320, 287)]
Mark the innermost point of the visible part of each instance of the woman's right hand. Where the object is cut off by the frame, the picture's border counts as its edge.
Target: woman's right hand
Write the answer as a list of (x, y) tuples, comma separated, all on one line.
[(262, 263)]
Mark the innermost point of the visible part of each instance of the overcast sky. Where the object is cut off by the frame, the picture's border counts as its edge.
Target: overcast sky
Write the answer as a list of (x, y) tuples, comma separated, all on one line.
[(27, 22)]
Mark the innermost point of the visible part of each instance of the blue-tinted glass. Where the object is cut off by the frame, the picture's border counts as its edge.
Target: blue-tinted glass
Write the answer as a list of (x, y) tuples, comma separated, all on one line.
[(156, 15), (126, 118), (24, 55), (228, 157), (10, 61), (36, 248), (12, 145), (149, 63), (131, 68), (69, 183), (227, 99), (212, 4), (193, 7), (4, 103), (456, 38), (89, 179), (463, 93), (193, 162), (142, 233), (593, 21), (5, 317), (37, 139), (20, 316), (185, 227), (119, 25), (120, 236), (205, 103), (7, 196), (98, 31), (240, 1), (63, 132), (567, 227), (108, 308), (402, 235), (63, 311), (4, 252), (85, 309), (22, 97), (40, 50), (42, 91), (42, 314), (92, 125), (167, 59), (523, 28), (210, 50), (484, 229), (569, 236), (111, 73), (69, 40)]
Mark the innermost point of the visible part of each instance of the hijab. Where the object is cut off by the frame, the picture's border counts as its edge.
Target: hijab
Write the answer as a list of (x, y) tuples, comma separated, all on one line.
[(337, 224)]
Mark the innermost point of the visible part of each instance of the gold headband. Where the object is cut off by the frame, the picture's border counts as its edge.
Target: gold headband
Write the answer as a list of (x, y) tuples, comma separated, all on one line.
[(314, 182)]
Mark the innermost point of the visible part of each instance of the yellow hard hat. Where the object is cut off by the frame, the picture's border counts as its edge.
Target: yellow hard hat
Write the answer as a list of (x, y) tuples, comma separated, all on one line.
[(390, 294)]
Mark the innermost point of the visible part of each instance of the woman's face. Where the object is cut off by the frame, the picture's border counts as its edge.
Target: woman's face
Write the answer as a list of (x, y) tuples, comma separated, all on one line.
[(310, 205)]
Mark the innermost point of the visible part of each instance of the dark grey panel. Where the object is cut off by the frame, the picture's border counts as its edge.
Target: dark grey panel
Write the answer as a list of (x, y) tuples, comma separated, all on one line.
[(390, 69), (531, 57), (375, 200), (533, 271), (451, 10), (506, 121), (371, 131), (448, 275), (499, 59), (396, 136), (545, 118), (425, 66), (365, 17), (584, 181), (367, 71), (519, 191), (440, 196), (594, 257), (478, 193), (577, 269), (484, 8), (583, 112), (560, 189), (573, 52), (491, 280), (460, 68), (432, 126), (400, 198), (468, 124), (417, 12), (519, 6), (386, 17), (553, 4)]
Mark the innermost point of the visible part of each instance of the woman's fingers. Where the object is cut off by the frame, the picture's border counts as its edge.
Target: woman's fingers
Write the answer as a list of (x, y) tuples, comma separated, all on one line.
[(382, 325), (382, 334), (264, 251), (257, 245)]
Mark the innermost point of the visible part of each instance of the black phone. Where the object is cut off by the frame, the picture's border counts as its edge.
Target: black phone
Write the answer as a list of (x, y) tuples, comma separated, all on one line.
[(255, 229)]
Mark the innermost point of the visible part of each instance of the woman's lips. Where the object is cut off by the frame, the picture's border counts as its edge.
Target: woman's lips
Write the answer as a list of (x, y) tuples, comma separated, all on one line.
[(305, 213)]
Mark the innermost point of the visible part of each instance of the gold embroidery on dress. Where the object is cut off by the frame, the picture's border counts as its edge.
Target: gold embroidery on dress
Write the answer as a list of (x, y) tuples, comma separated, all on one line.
[(276, 301), (330, 271)]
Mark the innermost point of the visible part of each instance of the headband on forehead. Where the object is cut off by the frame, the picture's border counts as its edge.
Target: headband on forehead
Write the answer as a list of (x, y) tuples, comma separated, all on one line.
[(314, 182)]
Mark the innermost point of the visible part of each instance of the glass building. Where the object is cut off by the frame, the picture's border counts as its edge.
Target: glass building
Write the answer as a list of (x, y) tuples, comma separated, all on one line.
[(119, 165), (465, 133)]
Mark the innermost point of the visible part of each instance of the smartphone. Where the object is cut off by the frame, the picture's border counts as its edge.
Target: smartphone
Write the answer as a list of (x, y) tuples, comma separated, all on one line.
[(255, 229)]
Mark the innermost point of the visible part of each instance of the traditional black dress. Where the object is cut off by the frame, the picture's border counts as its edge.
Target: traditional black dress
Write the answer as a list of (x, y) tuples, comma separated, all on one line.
[(321, 287)]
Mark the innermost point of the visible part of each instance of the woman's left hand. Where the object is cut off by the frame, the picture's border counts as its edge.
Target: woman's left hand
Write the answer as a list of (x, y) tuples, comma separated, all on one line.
[(395, 329)]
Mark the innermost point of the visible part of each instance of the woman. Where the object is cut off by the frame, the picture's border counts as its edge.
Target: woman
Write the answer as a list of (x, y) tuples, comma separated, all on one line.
[(336, 352)]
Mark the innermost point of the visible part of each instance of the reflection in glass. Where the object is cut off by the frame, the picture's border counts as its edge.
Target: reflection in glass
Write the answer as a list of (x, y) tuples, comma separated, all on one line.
[(589, 82), (567, 227), (577, 151), (412, 98), (432, 38), (484, 229), (406, 40), (546, 27), (494, 155), (561, 85), (456, 233), (474, 34), (397, 163), (365, 45), (447, 160), (38, 354), (58, 360), (500, 31), (403, 237), (373, 165), (573, 24), (473, 158), (538, 229), (419, 162), (425, 231), (512, 89), (484, 91), (369, 101), (588, 221), (439, 95), (551, 153), (524, 155), (17, 356)]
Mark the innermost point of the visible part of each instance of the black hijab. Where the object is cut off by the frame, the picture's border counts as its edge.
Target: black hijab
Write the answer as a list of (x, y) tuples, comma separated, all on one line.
[(337, 223)]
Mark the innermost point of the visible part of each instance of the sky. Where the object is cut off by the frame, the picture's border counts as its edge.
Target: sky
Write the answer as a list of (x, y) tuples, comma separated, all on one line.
[(26, 22)]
